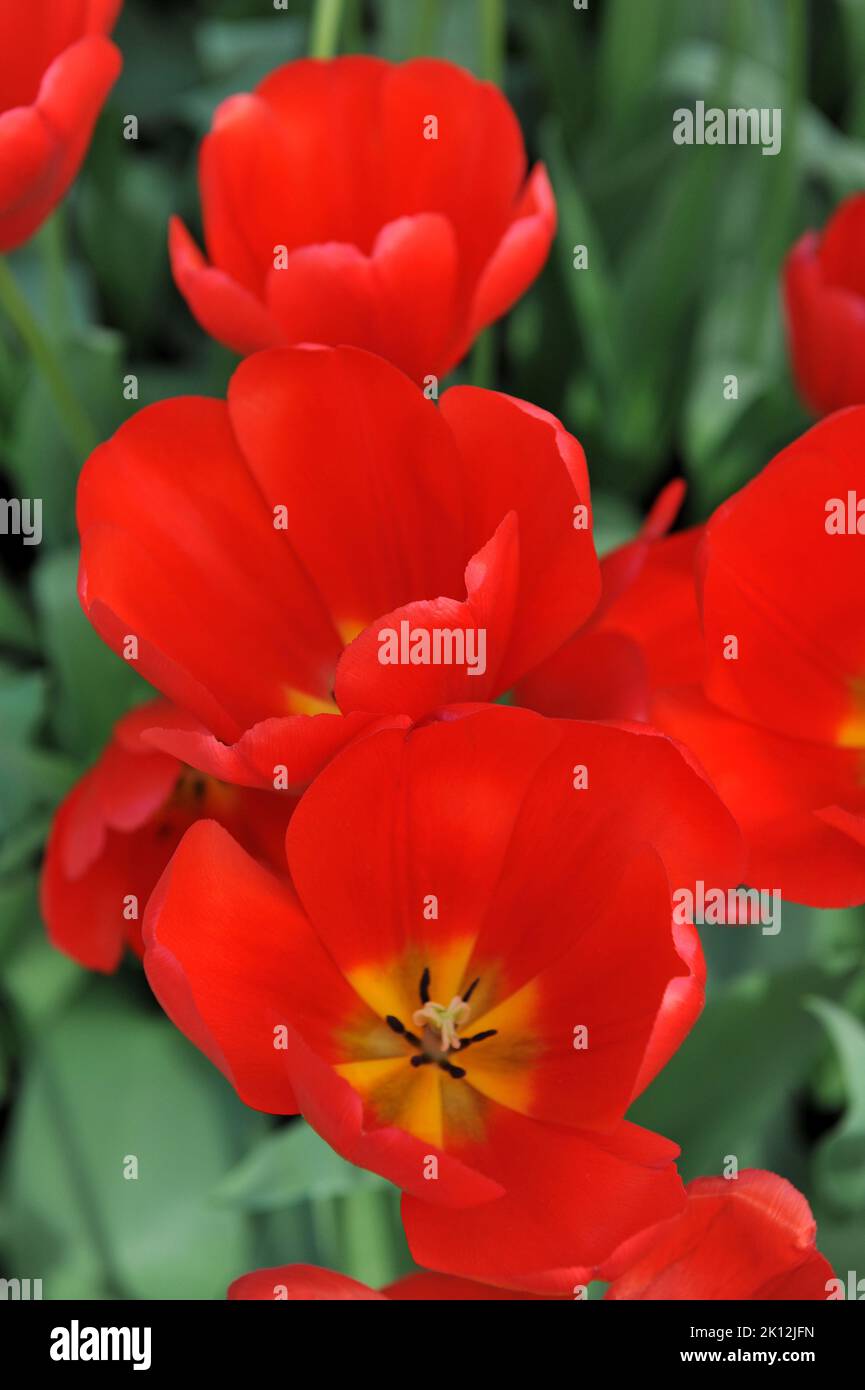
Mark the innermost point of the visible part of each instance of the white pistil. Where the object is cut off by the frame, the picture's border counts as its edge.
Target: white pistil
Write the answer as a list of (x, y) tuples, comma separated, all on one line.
[(445, 1021)]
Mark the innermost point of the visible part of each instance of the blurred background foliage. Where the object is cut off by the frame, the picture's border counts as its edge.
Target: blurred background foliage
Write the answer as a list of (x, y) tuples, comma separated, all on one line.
[(681, 289)]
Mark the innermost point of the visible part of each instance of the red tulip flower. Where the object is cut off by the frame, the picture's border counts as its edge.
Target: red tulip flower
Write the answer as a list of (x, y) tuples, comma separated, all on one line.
[(752, 1237), (117, 829), (479, 976), (824, 296), (746, 642), (364, 202), (58, 68), (267, 553), (309, 1284)]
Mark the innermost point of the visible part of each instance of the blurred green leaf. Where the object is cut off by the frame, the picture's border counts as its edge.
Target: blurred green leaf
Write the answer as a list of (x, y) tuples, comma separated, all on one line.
[(22, 841), (292, 1165), (106, 1083), (123, 220), (614, 521), (22, 702), (92, 686), (840, 1157), (18, 908), (372, 1246), (633, 40), (39, 979), (594, 306), (41, 460), (730, 1088), (16, 625), (30, 778)]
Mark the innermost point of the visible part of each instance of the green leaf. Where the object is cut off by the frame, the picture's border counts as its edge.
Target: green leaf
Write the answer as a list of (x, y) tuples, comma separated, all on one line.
[(18, 908), (614, 521), (93, 685), (123, 217), (292, 1165), (730, 1088), (39, 979), (106, 1083), (42, 462), (371, 1245), (30, 778), (633, 41), (22, 701), (22, 841), (839, 1162), (16, 624), (594, 306)]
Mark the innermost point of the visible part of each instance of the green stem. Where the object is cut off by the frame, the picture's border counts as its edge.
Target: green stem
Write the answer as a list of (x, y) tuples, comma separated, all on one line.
[(483, 360), (326, 21), (425, 29), (81, 1180), (53, 250), (79, 429), (492, 40)]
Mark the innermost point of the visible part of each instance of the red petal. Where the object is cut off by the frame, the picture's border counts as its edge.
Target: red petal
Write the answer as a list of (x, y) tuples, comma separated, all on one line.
[(223, 306), (568, 1204), (433, 1287), (174, 532), (302, 1284), (231, 958), (372, 531), (398, 302), (793, 599), (800, 805), (485, 621), (43, 146), (746, 1238), (519, 256), (519, 458), (286, 753), (826, 332)]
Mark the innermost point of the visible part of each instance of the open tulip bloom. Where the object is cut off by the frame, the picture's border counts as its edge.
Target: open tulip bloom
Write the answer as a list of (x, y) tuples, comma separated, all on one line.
[(328, 541), (365, 202), (472, 974), (744, 639), (58, 67)]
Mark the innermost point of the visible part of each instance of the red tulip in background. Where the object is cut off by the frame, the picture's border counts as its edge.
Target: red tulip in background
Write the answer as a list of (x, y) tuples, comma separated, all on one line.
[(364, 202), (749, 1238), (824, 296), (258, 549), (465, 908), (117, 829), (58, 69), (780, 725)]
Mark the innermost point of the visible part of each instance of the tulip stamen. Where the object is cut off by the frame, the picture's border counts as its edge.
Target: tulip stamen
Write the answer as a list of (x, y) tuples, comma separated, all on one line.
[(471, 989), (399, 1027), (456, 1072), (478, 1037)]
